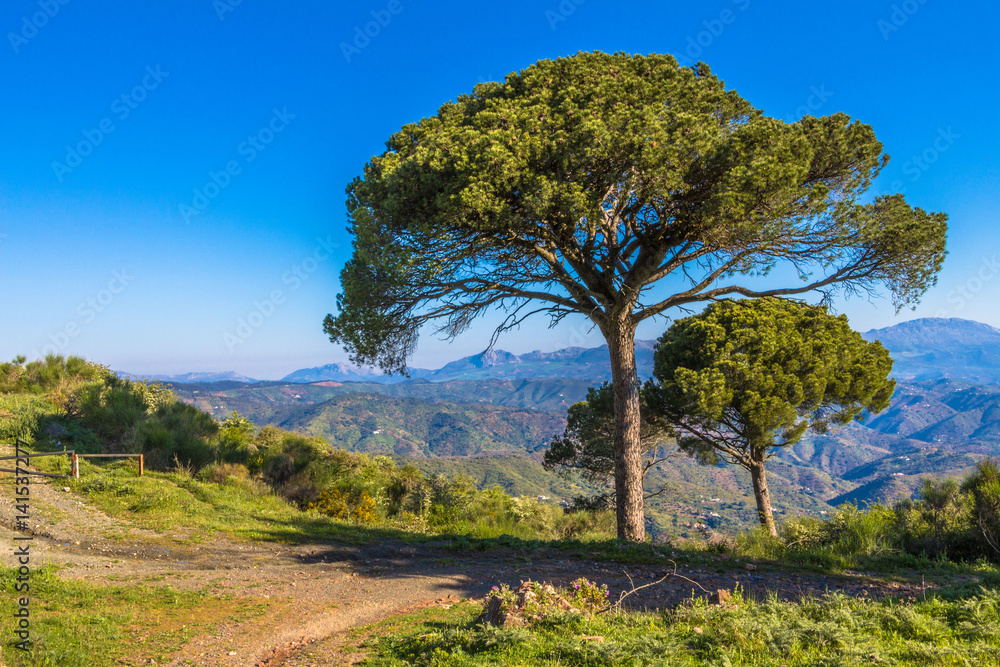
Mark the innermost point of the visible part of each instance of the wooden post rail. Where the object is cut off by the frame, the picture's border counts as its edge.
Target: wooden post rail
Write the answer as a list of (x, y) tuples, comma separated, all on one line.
[(28, 456), (74, 460), (77, 457)]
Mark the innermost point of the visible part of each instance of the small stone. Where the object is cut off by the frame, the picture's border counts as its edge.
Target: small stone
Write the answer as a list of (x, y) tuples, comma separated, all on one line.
[(720, 597), (698, 631), (231, 653), (66, 488), (751, 567)]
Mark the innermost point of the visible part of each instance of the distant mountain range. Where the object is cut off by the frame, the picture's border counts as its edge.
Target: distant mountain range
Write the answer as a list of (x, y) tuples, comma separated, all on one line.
[(923, 349), (571, 363), (192, 378), (934, 348)]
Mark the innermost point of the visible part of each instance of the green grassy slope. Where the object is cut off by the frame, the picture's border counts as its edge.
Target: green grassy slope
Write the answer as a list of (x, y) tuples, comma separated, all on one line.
[(941, 427), (413, 427), (259, 402)]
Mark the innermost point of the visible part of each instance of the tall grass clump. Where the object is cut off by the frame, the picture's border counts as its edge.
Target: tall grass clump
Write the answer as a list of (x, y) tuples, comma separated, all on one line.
[(55, 375), (37, 397), (22, 415), (984, 488), (946, 520), (832, 630)]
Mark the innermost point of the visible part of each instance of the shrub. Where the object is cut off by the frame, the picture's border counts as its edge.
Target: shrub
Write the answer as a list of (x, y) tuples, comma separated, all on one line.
[(402, 483), (861, 533), (759, 543), (114, 407), (55, 375), (21, 416), (533, 514), (69, 433), (224, 473), (984, 487), (959, 522), (176, 431), (289, 459), (299, 468), (582, 525), (721, 543), (358, 507), (533, 602), (939, 523), (236, 442), (443, 501), (492, 503)]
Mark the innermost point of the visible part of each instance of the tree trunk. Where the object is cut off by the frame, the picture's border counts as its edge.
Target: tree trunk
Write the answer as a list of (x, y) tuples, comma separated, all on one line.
[(763, 496), (628, 447)]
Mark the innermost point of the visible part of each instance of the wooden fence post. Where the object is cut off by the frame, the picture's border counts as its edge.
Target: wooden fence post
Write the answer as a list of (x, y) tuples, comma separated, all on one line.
[(142, 465), (75, 467)]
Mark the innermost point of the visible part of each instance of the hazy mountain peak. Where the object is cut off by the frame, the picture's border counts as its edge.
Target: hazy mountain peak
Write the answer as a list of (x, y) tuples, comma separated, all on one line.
[(589, 363), (487, 359), (935, 330), (930, 348), (193, 378), (341, 372)]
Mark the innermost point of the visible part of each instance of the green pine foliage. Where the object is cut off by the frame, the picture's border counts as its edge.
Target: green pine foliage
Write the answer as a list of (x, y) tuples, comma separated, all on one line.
[(744, 377)]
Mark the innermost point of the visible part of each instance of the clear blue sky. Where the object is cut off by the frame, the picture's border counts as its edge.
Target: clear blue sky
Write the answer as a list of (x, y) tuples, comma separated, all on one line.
[(115, 113)]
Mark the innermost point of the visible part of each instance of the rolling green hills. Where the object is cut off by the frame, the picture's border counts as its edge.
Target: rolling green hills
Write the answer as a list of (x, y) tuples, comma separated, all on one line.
[(261, 401), (489, 417), (403, 426), (495, 430)]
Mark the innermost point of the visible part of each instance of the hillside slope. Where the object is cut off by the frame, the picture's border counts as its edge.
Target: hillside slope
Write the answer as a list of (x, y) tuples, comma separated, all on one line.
[(931, 428), (497, 403), (379, 424)]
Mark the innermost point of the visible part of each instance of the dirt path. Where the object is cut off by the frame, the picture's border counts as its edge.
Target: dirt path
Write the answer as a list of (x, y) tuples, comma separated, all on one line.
[(313, 592)]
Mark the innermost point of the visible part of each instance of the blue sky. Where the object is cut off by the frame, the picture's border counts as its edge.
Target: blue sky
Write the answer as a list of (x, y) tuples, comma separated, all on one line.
[(172, 174)]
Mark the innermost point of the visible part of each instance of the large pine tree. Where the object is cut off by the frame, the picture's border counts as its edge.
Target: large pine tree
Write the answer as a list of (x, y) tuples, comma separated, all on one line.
[(614, 187)]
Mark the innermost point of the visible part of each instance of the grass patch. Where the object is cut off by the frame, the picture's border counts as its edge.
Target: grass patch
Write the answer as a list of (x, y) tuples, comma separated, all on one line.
[(833, 630), (194, 510), (74, 623), (191, 509)]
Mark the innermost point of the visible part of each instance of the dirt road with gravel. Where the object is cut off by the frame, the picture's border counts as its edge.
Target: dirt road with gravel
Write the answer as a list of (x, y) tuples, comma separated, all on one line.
[(312, 593)]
